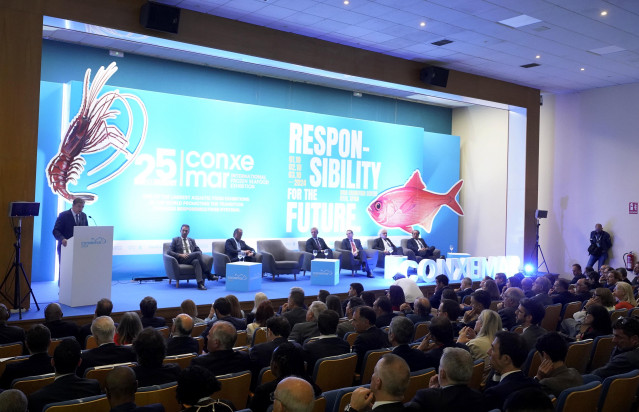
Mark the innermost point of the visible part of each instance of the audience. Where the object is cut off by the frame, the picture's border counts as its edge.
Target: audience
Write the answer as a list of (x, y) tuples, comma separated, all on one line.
[(479, 301), (596, 323), (38, 340), (322, 294), (150, 349), (120, 388), (293, 395), (148, 307), (104, 307), (344, 327), (512, 297), (181, 340), (500, 281), (222, 310), (560, 294), (400, 334), (493, 289), (368, 297), (327, 343), (129, 327), (67, 385), (449, 390), (396, 297), (465, 288), (333, 303), (188, 307), (625, 296), (601, 297), (530, 313), (59, 328), (625, 356), (383, 311), (259, 298), (441, 283), (236, 310), (304, 330), (576, 274), (526, 286), (221, 358), (388, 384), (13, 400), (107, 352), (582, 291), (541, 288), (410, 289), (478, 340), (277, 331), (441, 336), (553, 375), (195, 387), (370, 336), (355, 290), (8, 333), (263, 313), (420, 311), (294, 310), (528, 400)]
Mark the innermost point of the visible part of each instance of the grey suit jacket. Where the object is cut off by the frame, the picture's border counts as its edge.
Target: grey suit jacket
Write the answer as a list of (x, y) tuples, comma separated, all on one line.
[(531, 335), (303, 330)]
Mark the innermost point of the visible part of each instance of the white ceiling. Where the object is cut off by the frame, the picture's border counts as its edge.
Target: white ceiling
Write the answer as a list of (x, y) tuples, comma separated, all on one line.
[(567, 33)]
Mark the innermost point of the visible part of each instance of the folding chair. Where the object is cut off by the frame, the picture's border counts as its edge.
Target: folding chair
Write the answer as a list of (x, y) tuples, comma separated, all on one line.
[(235, 388), (584, 398), (334, 372)]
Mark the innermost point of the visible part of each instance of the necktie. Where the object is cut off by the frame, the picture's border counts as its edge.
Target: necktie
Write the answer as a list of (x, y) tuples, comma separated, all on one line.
[(77, 220), (420, 244), (186, 246), (319, 247), (388, 245), (353, 247)]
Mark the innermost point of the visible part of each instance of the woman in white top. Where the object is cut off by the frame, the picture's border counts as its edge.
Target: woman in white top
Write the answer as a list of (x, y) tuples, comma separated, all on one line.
[(478, 340)]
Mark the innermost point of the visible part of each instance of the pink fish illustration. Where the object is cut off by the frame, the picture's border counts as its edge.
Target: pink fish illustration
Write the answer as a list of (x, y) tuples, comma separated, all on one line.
[(412, 204)]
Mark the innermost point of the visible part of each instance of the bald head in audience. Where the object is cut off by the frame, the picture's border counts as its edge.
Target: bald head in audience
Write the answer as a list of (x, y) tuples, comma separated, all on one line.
[(13, 400), (103, 329), (182, 325), (121, 386), (293, 395), (388, 383), (52, 312)]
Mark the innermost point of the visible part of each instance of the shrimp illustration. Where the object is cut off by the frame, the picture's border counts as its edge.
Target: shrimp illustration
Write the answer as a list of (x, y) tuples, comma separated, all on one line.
[(89, 133)]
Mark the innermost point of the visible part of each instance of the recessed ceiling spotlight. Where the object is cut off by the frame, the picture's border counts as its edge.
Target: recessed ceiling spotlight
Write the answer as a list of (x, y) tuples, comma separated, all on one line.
[(422, 24), (538, 56), (583, 69), (604, 13), (346, 2)]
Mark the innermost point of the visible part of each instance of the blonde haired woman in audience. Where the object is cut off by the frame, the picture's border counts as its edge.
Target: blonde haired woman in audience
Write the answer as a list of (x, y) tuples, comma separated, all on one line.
[(188, 307), (259, 298), (623, 292), (478, 340)]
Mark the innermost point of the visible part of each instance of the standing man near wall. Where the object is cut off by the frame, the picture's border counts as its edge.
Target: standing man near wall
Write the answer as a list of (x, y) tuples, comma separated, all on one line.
[(599, 244)]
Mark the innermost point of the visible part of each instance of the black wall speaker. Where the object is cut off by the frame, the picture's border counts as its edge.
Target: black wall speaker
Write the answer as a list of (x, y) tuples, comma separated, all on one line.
[(435, 76), (160, 17)]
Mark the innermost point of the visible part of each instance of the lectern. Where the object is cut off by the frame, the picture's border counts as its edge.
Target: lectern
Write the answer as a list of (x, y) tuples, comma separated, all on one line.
[(85, 266)]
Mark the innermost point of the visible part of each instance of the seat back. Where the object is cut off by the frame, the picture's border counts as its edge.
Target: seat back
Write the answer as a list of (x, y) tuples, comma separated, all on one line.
[(164, 394), (619, 313), (421, 330), (96, 403), (578, 355), (9, 350), (551, 318), (418, 380), (31, 384), (570, 309), (259, 336), (370, 360), (5, 361), (617, 392), (91, 342), (235, 388), (633, 312), (198, 329), (242, 338), (335, 372), (319, 405), (344, 400), (183, 360), (584, 398), (601, 350), (164, 331), (532, 363), (350, 337), (220, 259), (478, 374), (200, 344), (265, 376), (301, 245), (100, 373)]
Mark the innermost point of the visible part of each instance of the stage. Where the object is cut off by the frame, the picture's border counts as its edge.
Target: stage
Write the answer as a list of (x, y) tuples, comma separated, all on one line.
[(126, 296)]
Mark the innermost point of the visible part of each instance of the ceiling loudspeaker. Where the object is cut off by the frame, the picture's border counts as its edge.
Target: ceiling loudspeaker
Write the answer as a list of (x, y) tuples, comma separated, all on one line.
[(156, 16), (435, 76)]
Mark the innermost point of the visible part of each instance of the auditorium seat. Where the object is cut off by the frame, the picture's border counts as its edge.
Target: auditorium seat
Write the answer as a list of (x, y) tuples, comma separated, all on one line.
[(335, 372), (99, 373), (164, 394), (551, 318), (617, 392), (177, 272), (570, 309), (582, 398), (278, 260), (265, 376), (371, 358), (579, 354), (418, 380), (235, 388), (94, 403), (9, 350), (220, 259), (602, 347), (182, 360), (31, 384), (198, 329)]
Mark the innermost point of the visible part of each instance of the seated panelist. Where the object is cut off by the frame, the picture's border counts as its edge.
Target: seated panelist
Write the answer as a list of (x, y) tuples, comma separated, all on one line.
[(317, 243), (187, 252), (355, 247), (419, 246), (386, 246), (235, 245)]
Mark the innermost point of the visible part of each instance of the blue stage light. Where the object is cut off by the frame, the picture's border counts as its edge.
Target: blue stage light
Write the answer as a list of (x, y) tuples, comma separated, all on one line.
[(528, 268)]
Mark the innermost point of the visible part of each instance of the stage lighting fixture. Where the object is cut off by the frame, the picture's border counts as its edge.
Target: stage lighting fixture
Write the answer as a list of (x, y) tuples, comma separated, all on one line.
[(528, 268)]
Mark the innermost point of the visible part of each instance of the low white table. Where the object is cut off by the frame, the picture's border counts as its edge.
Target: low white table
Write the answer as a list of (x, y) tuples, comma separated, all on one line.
[(325, 272), (243, 276), (391, 265)]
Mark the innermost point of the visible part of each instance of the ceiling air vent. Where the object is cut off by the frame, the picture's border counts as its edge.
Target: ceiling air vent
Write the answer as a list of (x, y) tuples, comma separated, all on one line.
[(529, 65), (442, 42)]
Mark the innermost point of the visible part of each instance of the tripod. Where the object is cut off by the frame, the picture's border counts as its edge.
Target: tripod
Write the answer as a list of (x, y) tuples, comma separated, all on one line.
[(538, 250), (16, 268)]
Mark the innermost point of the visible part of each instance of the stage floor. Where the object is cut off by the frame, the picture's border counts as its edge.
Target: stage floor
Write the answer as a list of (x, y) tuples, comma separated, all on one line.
[(126, 296)]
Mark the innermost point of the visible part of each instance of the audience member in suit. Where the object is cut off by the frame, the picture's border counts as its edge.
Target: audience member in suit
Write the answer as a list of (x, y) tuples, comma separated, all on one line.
[(304, 330), (582, 291), (541, 287), (9, 334), (221, 308), (355, 247), (560, 294), (527, 286), (195, 385), (181, 340), (355, 290), (501, 280), (420, 312), (625, 356), (507, 354), (441, 336), (67, 385), (150, 349), (400, 334), (529, 399), (529, 315), (553, 375), (388, 384), (59, 328), (386, 247), (120, 387), (345, 327), (287, 360), (13, 400), (383, 312), (293, 395), (222, 359), (465, 288), (187, 252), (277, 331), (327, 343), (450, 310), (441, 283), (294, 309), (479, 301), (512, 297), (235, 245), (370, 336), (104, 307), (148, 306), (419, 246), (67, 220), (317, 243), (576, 273), (449, 390), (107, 352), (39, 363)]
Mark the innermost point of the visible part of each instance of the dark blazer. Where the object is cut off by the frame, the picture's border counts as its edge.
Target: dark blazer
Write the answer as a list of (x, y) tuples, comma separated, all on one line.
[(531, 334), (62, 329), (436, 299), (64, 224), (156, 376), (295, 315), (106, 354), (415, 358), (346, 245), (450, 398), (64, 388), (384, 319), (412, 245), (230, 248), (417, 318), (373, 338), (434, 355), (260, 354), (463, 293), (563, 297), (379, 244), (154, 322), (36, 364), (132, 407), (543, 298), (10, 334), (508, 318), (178, 345), (311, 245), (497, 392), (224, 361), (605, 242), (620, 362), (303, 330), (177, 248), (320, 348), (391, 407)]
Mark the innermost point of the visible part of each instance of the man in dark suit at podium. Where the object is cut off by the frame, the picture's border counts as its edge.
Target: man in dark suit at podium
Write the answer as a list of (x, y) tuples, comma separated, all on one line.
[(235, 245), (187, 252), (67, 220), (317, 243)]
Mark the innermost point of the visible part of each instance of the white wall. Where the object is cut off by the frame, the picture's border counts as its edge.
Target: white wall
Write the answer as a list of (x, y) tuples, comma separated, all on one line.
[(483, 135), (588, 164)]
